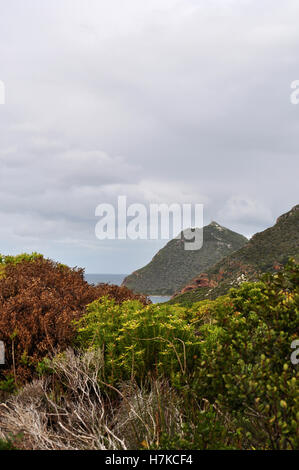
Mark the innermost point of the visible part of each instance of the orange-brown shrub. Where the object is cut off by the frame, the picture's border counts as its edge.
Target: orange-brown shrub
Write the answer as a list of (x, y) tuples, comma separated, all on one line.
[(38, 302)]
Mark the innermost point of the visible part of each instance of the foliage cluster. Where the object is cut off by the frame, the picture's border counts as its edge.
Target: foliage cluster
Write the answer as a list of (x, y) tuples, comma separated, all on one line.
[(137, 339), (39, 299), (213, 375), (247, 368), (233, 352)]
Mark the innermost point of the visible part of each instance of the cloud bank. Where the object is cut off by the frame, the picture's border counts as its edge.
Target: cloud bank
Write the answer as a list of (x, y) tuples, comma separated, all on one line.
[(162, 101)]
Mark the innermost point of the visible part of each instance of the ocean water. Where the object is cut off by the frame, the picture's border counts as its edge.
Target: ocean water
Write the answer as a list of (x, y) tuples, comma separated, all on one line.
[(118, 279)]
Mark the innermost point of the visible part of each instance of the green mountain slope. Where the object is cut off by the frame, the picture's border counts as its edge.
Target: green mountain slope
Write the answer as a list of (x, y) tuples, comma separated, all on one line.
[(265, 252), (173, 266)]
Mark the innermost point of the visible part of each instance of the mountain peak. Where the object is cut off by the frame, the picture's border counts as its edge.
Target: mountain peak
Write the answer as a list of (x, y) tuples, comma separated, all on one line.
[(215, 224), (173, 266), (288, 214), (265, 252)]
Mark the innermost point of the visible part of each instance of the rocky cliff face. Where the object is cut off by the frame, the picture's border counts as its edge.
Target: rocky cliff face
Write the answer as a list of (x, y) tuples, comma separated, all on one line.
[(266, 251), (173, 266)]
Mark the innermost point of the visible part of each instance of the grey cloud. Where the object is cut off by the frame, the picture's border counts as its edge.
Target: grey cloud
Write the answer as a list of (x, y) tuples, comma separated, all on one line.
[(162, 100)]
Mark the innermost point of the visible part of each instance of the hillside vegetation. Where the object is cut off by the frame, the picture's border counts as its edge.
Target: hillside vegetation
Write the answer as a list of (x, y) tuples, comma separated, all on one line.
[(214, 375), (39, 299), (173, 266), (266, 251)]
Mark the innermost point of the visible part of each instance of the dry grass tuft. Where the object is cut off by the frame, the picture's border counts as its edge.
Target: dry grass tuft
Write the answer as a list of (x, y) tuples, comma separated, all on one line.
[(69, 411)]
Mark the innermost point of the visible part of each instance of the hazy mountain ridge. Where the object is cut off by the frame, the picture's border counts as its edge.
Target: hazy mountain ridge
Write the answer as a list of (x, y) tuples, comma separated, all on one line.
[(173, 266), (265, 252)]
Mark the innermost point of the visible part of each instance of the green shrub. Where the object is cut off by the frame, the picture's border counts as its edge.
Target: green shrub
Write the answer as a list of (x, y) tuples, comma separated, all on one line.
[(205, 432), (9, 259), (247, 369), (6, 260), (206, 311), (7, 444), (8, 384), (138, 340)]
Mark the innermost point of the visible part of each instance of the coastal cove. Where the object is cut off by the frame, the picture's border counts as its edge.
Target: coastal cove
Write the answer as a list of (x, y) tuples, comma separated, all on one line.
[(117, 279)]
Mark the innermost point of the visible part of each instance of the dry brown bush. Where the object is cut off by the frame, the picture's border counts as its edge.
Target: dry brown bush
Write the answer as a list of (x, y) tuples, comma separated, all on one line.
[(38, 302)]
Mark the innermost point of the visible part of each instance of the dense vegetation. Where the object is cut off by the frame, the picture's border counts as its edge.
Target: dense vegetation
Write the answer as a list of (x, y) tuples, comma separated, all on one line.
[(39, 299), (173, 266), (214, 375), (265, 252)]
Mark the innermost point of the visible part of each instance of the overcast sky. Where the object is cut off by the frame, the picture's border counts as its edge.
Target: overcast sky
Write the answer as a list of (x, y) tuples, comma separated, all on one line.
[(159, 100)]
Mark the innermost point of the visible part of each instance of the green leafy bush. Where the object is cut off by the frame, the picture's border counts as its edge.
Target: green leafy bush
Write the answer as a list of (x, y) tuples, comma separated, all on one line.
[(206, 311), (9, 259), (6, 445), (139, 339), (204, 432), (6, 260), (8, 384), (248, 369)]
